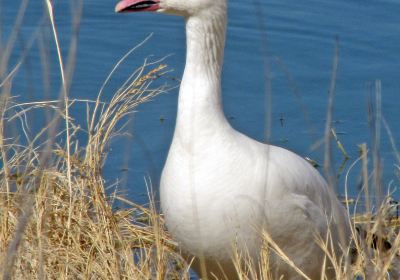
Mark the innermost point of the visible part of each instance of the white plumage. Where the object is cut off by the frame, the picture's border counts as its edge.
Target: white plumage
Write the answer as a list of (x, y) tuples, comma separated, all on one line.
[(220, 187)]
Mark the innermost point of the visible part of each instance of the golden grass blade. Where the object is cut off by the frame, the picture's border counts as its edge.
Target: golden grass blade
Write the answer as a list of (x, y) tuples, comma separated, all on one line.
[(282, 255), (66, 101)]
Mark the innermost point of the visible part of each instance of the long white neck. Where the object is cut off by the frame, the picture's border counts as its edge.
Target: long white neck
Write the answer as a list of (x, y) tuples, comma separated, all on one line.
[(200, 105)]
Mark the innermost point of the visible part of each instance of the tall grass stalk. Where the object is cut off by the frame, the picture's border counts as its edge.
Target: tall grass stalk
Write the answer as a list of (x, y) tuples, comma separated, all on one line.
[(66, 101)]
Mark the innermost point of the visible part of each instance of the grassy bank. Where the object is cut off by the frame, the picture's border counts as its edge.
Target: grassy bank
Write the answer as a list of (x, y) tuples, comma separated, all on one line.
[(58, 222)]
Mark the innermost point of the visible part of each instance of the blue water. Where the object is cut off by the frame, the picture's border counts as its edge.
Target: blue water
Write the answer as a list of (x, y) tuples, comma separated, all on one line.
[(295, 40)]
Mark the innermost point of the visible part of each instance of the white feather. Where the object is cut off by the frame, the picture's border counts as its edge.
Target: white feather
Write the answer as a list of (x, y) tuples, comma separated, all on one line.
[(219, 187)]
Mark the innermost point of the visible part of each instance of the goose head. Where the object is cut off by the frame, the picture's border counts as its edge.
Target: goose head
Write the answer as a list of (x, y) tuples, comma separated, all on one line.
[(185, 8)]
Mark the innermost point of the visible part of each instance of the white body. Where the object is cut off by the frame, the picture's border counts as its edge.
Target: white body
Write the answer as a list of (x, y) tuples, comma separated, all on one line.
[(234, 187), (219, 187)]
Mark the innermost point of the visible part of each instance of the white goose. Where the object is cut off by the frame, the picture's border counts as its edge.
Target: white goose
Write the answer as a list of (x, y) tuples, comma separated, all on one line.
[(220, 187)]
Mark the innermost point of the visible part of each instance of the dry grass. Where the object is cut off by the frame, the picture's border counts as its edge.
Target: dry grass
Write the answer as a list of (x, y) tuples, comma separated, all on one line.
[(51, 231), (374, 252), (57, 220)]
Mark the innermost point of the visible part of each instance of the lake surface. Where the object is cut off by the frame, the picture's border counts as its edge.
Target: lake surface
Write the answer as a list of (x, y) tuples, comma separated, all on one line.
[(295, 40)]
